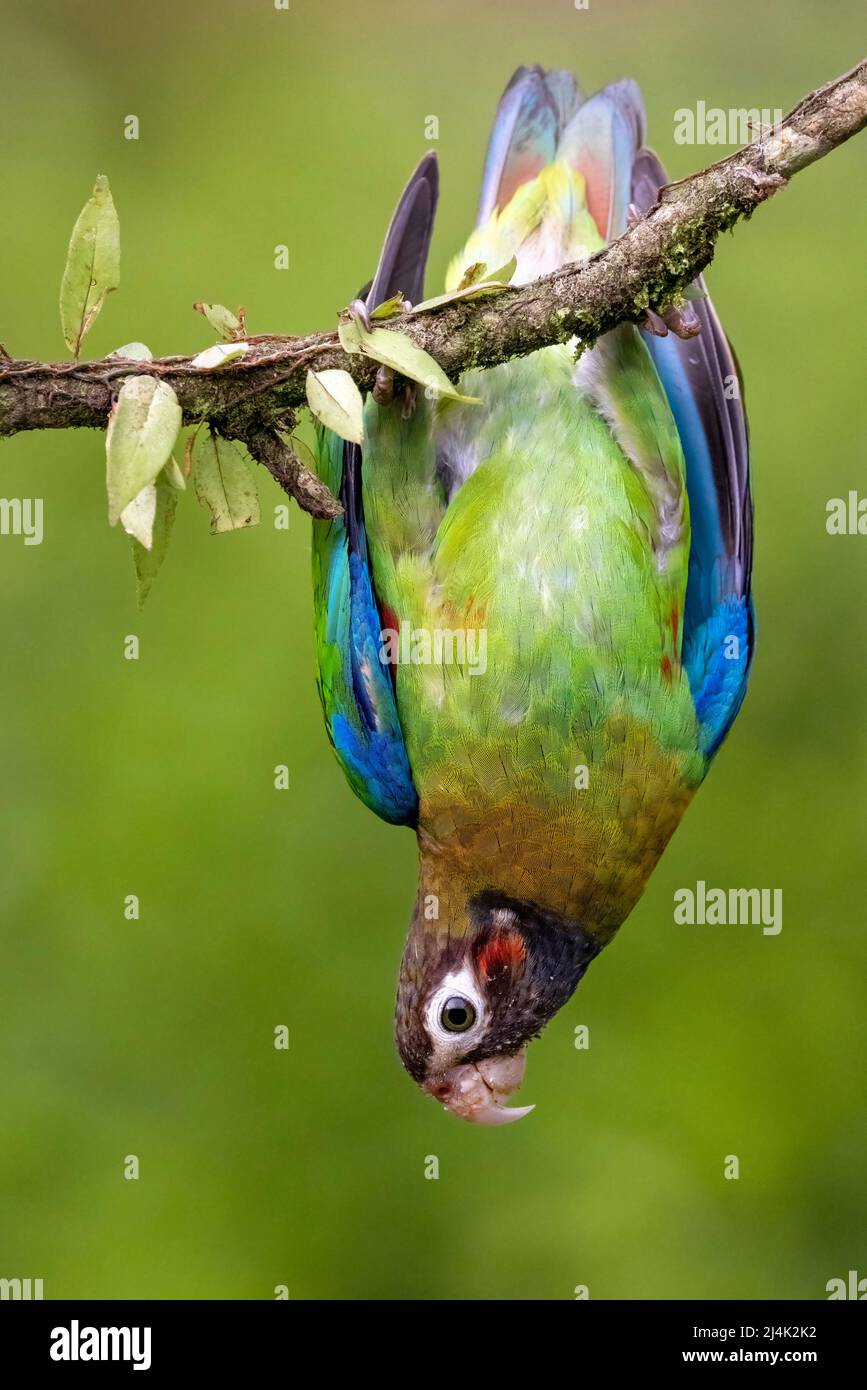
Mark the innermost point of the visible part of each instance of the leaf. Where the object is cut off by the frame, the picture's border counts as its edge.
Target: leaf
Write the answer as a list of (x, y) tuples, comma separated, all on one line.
[(389, 307), (137, 519), (224, 483), (303, 453), (504, 275), (173, 475), (188, 451), (472, 292), (148, 560), (92, 267), (492, 283), (229, 326), (133, 352), (219, 355), (473, 272), (350, 331), (399, 352), (142, 430), (335, 399)]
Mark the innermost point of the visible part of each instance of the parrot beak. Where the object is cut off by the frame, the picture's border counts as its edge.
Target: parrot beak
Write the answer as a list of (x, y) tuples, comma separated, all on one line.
[(477, 1091)]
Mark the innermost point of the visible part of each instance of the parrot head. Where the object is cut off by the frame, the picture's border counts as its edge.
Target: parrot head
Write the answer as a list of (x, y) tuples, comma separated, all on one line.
[(473, 994)]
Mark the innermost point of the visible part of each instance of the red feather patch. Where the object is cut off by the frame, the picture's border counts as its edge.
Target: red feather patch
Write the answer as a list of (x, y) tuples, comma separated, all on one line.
[(505, 951)]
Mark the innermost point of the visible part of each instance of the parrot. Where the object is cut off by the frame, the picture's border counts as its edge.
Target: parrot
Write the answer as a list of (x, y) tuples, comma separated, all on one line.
[(582, 520)]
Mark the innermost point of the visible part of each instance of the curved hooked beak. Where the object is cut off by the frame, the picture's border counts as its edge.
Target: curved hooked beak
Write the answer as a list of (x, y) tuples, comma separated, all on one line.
[(477, 1091)]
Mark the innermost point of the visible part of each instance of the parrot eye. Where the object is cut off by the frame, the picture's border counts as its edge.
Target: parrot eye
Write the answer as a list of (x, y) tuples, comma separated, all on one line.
[(457, 1014)]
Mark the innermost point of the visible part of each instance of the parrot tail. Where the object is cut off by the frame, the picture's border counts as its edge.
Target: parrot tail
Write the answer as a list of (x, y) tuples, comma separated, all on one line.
[(558, 174), (543, 118)]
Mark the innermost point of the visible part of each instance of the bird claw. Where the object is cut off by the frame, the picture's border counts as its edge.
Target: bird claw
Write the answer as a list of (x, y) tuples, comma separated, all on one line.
[(654, 324), (634, 215), (358, 310), (383, 386), (682, 321), (410, 400)]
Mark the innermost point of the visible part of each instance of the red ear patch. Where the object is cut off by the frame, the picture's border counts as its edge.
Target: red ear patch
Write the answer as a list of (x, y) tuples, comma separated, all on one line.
[(505, 951)]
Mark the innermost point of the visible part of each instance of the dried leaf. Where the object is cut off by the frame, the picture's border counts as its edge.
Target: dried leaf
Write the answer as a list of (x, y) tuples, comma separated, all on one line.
[(142, 430), (188, 451), (92, 267)]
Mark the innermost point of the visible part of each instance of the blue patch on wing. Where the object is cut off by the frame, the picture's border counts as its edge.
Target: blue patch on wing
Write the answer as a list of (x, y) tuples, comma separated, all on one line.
[(716, 658), (373, 745), (357, 689)]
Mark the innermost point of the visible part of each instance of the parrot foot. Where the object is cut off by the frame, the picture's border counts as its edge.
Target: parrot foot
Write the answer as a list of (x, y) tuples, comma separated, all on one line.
[(383, 387), (410, 400), (682, 322), (358, 310)]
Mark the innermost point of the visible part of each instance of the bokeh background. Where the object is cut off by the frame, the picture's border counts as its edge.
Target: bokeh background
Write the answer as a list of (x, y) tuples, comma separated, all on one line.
[(262, 907)]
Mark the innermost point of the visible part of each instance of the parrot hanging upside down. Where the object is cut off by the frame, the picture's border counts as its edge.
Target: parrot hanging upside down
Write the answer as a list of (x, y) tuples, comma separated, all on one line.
[(589, 528)]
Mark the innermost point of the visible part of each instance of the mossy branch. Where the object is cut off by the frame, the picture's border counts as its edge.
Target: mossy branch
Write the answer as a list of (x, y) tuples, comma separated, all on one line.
[(647, 269)]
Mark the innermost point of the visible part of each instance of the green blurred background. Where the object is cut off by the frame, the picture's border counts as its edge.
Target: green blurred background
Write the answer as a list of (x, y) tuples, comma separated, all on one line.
[(262, 1167)]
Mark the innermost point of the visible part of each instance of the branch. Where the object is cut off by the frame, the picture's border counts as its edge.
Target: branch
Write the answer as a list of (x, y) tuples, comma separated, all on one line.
[(647, 269)]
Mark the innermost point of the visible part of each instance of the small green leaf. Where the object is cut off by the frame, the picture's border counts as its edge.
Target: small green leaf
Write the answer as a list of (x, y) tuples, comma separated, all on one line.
[(189, 444), (304, 453), (148, 559), (92, 267), (389, 307), (473, 272), (133, 352), (399, 352), (492, 283), (224, 483), (142, 430), (219, 355), (173, 475), (504, 275), (229, 326), (450, 297), (350, 332), (137, 519), (335, 399)]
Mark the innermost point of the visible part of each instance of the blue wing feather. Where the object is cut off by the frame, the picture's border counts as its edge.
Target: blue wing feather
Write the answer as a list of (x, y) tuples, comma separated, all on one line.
[(704, 390), (356, 688)]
